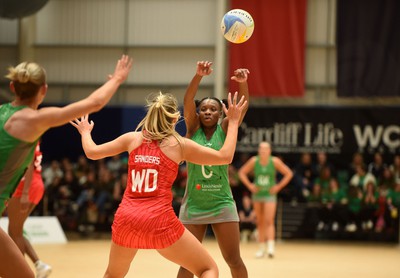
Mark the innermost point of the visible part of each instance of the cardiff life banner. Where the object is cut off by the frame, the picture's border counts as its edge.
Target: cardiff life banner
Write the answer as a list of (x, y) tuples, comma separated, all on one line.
[(340, 132)]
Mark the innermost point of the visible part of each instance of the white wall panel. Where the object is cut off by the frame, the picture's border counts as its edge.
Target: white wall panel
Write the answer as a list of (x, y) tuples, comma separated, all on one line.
[(8, 57), (57, 95), (317, 21), (77, 65), (332, 77), (172, 22), (168, 66), (8, 31), (82, 22), (316, 66), (139, 95)]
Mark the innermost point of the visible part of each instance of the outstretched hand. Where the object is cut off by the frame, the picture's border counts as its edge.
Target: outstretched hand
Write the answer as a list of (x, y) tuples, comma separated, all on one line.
[(204, 68), (240, 75), (235, 108), (122, 69), (83, 125)]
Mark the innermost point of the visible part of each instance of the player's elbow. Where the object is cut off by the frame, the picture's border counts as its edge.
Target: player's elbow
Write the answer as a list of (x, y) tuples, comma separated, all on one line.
[(289, 174), (227, 158), (92, 155), (94, 104), (97, 105)]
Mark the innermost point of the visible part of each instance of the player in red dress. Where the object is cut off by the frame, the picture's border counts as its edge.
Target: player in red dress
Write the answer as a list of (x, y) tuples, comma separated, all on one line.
[(145, 218), (24, 200)]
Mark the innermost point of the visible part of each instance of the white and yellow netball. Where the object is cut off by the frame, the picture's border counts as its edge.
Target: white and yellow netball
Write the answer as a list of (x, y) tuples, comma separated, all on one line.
[(237, 26)]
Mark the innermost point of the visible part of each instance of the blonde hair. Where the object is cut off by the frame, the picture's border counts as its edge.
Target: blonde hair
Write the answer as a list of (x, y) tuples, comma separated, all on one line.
[(162, 115), (27, 78)]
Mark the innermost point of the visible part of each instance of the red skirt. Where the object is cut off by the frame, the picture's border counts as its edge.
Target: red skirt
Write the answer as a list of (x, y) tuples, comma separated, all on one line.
[(36, 190), (143, 225)]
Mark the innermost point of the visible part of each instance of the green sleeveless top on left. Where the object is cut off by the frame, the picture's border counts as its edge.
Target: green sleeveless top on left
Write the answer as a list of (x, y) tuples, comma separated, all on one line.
[(15, 155), (208, 196)]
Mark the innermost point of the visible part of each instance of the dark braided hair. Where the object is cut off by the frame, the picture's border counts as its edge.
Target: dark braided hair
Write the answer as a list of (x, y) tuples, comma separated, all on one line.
[(224, 101)]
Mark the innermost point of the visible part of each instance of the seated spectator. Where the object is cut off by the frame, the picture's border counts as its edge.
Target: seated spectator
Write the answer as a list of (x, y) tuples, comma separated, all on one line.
[(322, 162), (354, 197), (247, 218), (333, 211), (324, 178), (369, 206), (103, 197), (395, 169), (361, 178), (82, 167), (85, 204), (382, 211), (393, 201), (314, 205), (377, 166), (49, 173), (304, 175), (51, 197), (357, 160), (387, 180), (315, 197), (114, 164)]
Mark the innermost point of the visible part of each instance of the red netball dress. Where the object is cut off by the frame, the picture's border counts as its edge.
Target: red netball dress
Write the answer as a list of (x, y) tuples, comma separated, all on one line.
[(145, 218), (36, 189)]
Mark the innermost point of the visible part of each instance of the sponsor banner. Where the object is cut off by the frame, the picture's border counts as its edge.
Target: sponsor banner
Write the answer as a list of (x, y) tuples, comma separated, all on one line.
[(40, 230), (340, 132)]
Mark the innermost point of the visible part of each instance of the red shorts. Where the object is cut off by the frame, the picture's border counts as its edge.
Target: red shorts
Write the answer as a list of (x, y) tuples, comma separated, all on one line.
[(36, 190), (145, 227)]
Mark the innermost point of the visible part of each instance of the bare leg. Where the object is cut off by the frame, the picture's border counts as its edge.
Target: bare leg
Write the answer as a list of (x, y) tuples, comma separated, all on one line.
[(270, 212), (119, 261), (190, 254), (259, 209), (199, 232), (17, 219), (228, 237), (12, 262)]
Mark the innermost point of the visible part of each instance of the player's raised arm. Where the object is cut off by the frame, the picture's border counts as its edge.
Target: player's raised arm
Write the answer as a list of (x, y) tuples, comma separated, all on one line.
[(192, 121)]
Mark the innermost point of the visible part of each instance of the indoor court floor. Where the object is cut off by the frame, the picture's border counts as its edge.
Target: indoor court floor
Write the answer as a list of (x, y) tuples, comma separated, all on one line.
[(297, 259)]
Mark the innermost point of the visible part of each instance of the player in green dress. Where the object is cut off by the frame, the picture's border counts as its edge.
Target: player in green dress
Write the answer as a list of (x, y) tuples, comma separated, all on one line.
[(264, 190), (22, 123), (208, 198)]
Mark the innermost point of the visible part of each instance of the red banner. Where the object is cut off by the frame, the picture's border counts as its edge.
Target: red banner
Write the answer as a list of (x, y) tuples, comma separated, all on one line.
[(275, 52)]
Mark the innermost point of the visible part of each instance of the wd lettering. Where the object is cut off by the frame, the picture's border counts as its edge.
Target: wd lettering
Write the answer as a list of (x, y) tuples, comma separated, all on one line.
[(144, 180)]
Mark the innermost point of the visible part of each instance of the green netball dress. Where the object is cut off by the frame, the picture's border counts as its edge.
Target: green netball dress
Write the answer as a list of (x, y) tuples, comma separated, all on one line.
[(208, 197), (15, 156), (264, 179)]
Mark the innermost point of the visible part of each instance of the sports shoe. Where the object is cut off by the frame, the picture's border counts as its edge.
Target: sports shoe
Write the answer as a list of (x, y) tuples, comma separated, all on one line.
[(260, 253), (43, 270)]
